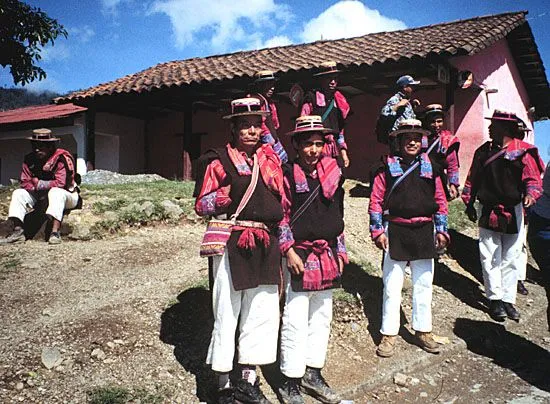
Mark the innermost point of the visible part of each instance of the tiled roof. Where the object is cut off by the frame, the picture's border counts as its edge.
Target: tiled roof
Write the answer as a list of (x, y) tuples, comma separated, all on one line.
[(38, 113), (464, 37)]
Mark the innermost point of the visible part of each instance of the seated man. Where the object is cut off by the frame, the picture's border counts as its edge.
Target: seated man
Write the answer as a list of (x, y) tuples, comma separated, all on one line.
[(48, 173)]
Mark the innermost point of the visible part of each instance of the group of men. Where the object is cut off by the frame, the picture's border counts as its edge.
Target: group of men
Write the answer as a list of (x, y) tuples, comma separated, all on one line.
[(286, 222), (301, 203)]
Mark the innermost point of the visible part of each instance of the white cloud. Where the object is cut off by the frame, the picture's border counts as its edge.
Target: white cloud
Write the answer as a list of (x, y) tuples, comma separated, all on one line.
[(279, 40), (53, 53), (48, 84), (82, 34), (347, 19), (223, 24)]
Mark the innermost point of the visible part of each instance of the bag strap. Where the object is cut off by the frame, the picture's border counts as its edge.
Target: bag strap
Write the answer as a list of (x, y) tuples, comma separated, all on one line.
[(303, 207), (328, 111), (494, 157), (432, 146), (250, 190)]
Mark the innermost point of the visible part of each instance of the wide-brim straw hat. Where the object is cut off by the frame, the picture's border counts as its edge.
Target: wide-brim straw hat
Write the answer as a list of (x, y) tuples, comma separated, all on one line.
[(244, 107), (42, 135), (264, 75), (327, 68), (309, 124), (409, 126)]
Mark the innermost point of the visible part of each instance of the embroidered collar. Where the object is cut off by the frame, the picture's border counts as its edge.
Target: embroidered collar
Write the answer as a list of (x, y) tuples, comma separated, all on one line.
[(394, 165)]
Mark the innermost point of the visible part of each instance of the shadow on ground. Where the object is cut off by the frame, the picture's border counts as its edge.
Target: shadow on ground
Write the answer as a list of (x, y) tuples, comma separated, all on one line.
[(360, 191), (508, 350), (357, 281), (187, 325)]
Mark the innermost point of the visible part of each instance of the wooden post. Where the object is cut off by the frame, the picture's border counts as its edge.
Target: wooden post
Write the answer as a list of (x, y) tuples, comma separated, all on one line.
[(187, 140)]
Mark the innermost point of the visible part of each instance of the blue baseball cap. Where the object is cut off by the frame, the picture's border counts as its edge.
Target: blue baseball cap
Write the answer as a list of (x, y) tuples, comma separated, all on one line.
[(404, 81)]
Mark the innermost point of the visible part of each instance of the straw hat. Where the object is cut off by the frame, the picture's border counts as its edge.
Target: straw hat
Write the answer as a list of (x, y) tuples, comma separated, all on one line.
[(328, 67), (434, 109), (409, 126), (244, 107), (264, 75), (506, 116), (42, 135), (309, 123)]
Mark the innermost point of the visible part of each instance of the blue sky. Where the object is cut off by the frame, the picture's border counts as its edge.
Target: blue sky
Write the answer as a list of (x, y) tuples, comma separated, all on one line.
[(112, 38)]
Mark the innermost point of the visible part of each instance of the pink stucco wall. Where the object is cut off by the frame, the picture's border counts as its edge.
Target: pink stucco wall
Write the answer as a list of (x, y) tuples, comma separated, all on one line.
[(493, 68)]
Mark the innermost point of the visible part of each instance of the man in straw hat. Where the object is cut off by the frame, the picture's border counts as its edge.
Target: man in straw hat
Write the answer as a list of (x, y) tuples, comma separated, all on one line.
[(504, 177), (311, 239), (407, 207), (48, 174), (246, 276), (442, 145), (329, 103), (264, 87)]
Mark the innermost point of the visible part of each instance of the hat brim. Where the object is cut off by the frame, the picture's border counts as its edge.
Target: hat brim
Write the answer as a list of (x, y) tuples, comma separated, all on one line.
[(261, 79), (259, 113), (52, 139), (325, 131), (327, 73), (420, 131), (502, 119)]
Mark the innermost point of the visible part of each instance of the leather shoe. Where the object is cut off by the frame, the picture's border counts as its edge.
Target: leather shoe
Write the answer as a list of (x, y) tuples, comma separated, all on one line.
[(496, 310), (511, 311), (522, 290)]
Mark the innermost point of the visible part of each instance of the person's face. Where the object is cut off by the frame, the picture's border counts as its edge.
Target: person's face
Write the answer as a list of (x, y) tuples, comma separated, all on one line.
[(411, 144), (408, 90), (42, 150), (310, 149), (329, 82), (436, 124), (497, 131), (267, 88), (247, 130)]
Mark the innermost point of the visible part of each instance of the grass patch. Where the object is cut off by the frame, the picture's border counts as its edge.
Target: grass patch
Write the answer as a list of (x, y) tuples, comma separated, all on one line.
[(9, 263), (341, 295), (458, 220), (121, 395)]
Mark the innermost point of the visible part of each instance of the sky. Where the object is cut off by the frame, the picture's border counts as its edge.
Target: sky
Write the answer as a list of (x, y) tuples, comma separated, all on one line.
[(109, 39)]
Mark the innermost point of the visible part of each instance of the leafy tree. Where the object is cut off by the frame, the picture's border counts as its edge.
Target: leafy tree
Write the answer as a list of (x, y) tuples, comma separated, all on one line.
[(24, 30)]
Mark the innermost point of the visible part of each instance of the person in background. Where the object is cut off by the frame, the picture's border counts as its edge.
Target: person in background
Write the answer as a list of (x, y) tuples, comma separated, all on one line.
[(538, 235), (408, 221), (505, 178), (264, 89), (333, 108), (312, 243), (48, 174), (246, 276), (443, 146)]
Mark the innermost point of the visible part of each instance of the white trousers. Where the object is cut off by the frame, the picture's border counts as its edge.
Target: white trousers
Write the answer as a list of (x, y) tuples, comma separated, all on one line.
[(393, 274), (521, 263), (306, 329), (501, 259), (258, 309), (59, 199)]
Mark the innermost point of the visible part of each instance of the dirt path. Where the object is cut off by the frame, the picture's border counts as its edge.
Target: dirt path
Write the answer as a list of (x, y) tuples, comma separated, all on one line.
[(129, 315)]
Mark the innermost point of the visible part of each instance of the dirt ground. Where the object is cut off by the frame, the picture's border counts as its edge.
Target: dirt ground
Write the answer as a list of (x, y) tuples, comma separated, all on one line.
[(131, 314)]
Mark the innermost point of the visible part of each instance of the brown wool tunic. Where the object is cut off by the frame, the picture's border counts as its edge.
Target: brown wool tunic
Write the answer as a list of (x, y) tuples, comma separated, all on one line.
[(261, 265)]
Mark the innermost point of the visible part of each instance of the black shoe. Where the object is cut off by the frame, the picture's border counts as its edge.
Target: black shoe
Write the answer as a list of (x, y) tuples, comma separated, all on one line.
[(225, 396), (248, 393), (522, 290), (289, 392), (496, 310), (511, 311), (315, 385)]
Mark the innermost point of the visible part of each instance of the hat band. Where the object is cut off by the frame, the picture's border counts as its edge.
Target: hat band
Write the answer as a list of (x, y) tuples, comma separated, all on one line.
[(309, 125), (238, 109), (40, 136)]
